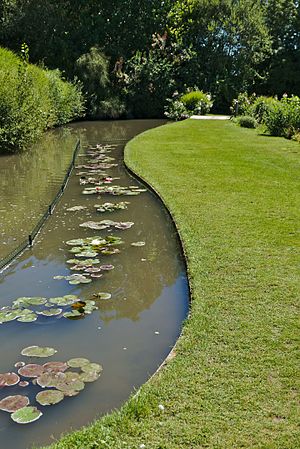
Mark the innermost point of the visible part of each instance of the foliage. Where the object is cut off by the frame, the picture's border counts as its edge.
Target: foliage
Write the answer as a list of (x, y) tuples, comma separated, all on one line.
[(197, 102), (284, 118), (281, 117), (246, 121), (32, 100), (257, 107), (175, 110), (148, 82), (92, 68), (230, 40)]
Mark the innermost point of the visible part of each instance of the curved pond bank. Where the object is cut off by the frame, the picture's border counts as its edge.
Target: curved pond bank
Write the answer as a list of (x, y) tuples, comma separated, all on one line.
[(129, 334)]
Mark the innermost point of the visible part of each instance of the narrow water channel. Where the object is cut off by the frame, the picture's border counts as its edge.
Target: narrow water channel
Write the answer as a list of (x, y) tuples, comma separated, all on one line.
[(129, 334)]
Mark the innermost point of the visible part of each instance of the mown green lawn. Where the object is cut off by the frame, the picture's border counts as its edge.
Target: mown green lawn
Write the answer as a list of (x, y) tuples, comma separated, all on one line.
[(235, 196)]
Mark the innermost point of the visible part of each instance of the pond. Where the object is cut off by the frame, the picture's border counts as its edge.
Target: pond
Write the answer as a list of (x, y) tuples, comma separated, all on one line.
[(130, 333)]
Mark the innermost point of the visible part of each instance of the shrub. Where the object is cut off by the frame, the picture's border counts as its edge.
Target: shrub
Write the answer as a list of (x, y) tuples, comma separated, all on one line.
[(197, 102), (175, 110), (284, 117), (262, 107), (32, 100), (246, 121)]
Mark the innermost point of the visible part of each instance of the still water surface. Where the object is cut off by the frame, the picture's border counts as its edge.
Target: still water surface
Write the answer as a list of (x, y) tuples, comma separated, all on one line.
[(131, 333)]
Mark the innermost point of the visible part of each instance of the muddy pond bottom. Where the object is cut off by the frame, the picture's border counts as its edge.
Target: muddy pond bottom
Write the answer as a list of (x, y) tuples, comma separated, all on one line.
[(130, 330)]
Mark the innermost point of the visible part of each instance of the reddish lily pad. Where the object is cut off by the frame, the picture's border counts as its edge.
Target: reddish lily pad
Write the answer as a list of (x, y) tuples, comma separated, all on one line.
[(13, 403), (9, 379), (55, 367), (31, 370)]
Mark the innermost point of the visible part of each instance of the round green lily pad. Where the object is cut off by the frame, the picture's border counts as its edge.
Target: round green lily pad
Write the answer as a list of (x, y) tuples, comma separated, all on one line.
[(48, 379), (51, 312), (91, 367), (73, 314), (90, 376), (78, 362), (102, 295), (37, 351), (62, 301), (49, 397), (13, 403), (26, 415), (29, 318), (138, 244)]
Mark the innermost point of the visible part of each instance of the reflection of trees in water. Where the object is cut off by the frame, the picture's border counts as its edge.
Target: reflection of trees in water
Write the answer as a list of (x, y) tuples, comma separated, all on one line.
[(142, 282), (116, 130), (28, 183)]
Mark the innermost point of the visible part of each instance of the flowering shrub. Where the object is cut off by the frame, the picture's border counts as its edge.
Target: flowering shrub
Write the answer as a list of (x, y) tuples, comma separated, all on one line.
[(197, 102)]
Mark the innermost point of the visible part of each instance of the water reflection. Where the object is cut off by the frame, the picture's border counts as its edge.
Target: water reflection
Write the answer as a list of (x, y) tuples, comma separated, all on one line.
[(29, 182)]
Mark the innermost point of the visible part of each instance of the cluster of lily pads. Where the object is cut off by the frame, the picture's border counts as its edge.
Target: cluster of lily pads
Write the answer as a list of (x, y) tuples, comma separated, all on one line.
[(89, 249), (57, 379), (29, 309), (114, 190), (107, 224), (90, 180), (111, 207)]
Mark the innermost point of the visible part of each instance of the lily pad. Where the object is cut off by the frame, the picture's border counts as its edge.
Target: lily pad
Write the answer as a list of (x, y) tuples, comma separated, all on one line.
[(78, 362), (50, 312), (13, 403), (5, 317), (49, 379), (26, 415), (30, 300), (76, 208), (9, 379), (91, 367), (89, 376), (138, 244), (63, 301), (55, 367), (29, 318), (19, 364), (124, 225), (107, 267), (72, 315), (38, 351), (49, 397), (23, 383), (31, 370), (102, 295)]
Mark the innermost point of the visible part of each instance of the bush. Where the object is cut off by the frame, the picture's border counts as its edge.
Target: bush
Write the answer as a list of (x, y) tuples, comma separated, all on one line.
[(197, 102), (246, 121), (175, 110), (284, 117), (32, 100)]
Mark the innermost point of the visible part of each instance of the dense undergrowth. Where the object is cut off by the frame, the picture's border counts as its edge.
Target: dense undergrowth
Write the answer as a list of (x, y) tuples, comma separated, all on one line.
[(32, 100)]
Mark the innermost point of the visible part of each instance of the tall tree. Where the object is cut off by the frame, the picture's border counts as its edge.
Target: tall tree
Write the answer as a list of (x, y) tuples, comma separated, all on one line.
[(230, 39)]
